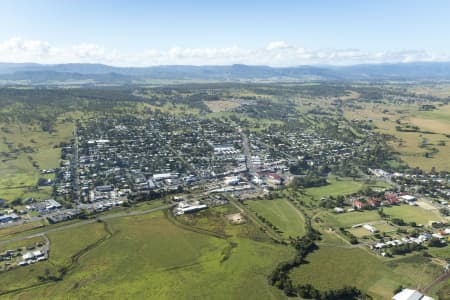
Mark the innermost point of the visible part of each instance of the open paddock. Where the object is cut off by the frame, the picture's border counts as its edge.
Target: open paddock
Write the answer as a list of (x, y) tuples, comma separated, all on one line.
[(413, 214), (349, 219)]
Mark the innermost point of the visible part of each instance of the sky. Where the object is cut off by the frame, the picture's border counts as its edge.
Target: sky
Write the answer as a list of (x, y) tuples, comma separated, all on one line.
[(196, 32)]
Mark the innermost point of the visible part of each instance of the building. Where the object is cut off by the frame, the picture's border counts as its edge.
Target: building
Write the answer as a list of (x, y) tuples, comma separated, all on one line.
[(372, 202), (408, 294), (370, 228), (232, 180), (9, 218), (408, 198), (338, 210), (358, 204), (274, 178), (104, 188), (185, 208)]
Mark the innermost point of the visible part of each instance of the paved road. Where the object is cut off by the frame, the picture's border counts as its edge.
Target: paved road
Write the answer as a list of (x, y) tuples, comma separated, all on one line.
[(76, 184), (248, 157), (85, 222)]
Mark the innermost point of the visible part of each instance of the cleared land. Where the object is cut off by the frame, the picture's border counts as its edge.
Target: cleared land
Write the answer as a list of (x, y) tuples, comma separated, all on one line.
[(431, 138), (221, 105), (335, 187), (281, 214), (352, 218), (333, 267), (413, 214), (150, 257), (25, 149)]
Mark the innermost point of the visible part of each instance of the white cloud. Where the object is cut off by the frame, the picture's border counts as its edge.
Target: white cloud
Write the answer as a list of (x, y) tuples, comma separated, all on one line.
[(277, 53), (277, 45)]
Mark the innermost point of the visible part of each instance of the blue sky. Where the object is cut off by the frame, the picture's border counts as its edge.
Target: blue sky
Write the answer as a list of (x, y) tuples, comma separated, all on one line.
[(107, 31)]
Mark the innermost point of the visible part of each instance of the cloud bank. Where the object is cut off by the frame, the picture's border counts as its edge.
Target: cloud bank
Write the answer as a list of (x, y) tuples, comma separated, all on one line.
[(276, 53)]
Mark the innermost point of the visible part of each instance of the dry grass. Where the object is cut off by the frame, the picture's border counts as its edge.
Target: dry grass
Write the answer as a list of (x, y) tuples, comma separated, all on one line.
[(221, 105)]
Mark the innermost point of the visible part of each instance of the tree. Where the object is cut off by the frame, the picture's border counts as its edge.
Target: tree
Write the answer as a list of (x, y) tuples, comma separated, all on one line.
[(435, 242)]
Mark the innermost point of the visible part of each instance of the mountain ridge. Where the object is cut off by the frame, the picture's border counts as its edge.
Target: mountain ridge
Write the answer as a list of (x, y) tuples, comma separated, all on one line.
[(40, 73)]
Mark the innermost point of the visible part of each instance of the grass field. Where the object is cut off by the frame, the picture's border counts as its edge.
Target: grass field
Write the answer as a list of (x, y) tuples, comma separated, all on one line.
[(412, 214), (334, 267), (221, 105), (281, 214), (336, 187), (148, 257), (352, 218), (25, 149), (8, 231)]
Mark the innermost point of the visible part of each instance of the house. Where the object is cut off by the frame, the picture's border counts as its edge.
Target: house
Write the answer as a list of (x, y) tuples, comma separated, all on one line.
[(408, 294), (274, 178), (391, 198), (338, 210), (358, 204), (372, 202), (408, 198)]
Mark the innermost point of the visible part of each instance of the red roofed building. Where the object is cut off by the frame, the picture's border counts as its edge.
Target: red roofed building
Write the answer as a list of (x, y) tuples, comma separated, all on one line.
[(373, 202), (359, 204)]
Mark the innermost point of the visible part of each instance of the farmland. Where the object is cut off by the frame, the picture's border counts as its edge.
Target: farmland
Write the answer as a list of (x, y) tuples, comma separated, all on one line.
[(413, 145), (30, 149)]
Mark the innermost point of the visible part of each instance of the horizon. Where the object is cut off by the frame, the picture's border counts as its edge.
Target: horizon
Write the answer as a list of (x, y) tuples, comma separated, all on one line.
[(230, 65), (202, 33)]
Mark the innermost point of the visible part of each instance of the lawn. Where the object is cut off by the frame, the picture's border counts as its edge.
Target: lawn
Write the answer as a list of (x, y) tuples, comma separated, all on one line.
[(352, 218), (280, 213), (149, 257), (336, 187), (412, 214), (335, 267)]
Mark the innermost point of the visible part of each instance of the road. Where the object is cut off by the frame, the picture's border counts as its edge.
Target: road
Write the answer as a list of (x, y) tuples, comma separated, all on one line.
[(435, 282), (76, 185), (248, 157), (85, 222)]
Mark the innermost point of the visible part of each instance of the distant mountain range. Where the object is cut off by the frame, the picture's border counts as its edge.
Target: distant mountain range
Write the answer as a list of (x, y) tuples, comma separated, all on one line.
[(31, 73)]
